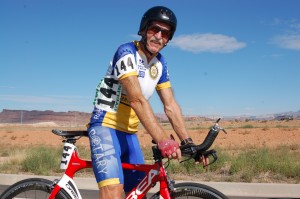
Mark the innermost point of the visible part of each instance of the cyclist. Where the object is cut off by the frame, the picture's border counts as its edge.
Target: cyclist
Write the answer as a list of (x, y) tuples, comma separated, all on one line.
[(121, 102)]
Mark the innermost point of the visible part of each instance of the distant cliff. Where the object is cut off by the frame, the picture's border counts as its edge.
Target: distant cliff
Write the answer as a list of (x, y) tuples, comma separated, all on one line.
[(72, 118), (69, 118), (29, 117)]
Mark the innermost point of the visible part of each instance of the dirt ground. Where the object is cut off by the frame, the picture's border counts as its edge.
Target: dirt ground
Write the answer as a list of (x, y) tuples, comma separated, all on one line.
[(252, 134)]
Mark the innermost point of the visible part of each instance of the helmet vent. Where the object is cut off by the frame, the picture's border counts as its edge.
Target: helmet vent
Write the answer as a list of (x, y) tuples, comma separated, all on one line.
[(164, 14)]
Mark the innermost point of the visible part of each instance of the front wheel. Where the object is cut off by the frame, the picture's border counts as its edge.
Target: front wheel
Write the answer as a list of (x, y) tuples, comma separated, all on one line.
[(31, 188), (193, 190)]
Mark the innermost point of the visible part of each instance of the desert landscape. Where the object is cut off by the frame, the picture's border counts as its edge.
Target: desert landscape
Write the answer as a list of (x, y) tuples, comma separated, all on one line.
[(240, 134)]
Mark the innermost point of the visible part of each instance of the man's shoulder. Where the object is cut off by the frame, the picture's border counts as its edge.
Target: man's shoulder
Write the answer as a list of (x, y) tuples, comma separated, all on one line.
[(126, 48), (161, 58)]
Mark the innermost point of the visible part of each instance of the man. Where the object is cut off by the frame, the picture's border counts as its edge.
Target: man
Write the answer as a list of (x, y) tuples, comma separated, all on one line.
[(121, 102)]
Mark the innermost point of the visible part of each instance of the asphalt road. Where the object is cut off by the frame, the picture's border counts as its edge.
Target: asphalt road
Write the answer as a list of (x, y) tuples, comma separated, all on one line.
[(89, 189), (94, 194)]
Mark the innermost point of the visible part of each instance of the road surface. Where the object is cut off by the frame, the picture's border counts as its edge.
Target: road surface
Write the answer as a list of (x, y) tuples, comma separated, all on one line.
[(94, 194)]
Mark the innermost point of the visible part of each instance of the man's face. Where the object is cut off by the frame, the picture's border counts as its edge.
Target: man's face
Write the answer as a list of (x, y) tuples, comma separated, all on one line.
[(158, 34)]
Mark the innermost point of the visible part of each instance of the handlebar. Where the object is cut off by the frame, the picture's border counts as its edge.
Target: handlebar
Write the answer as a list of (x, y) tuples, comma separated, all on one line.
[(209, 139), (197, 151)]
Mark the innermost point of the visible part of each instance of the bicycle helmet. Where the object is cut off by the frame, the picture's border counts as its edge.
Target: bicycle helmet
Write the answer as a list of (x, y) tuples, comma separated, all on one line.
[(159, 13)]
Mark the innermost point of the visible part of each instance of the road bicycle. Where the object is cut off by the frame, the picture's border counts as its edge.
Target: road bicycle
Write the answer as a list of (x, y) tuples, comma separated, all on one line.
[(65, 188)]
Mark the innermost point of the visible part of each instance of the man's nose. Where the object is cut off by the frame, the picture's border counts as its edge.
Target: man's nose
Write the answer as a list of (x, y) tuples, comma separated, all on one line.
[(158, 35)]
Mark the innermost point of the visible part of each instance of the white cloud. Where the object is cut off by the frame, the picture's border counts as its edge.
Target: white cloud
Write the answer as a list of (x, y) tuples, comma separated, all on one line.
[(292, 24), (208, 42), (288, 41), (291, 38)]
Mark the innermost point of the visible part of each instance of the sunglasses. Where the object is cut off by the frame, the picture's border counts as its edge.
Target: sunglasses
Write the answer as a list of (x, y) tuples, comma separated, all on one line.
[(155, 29)]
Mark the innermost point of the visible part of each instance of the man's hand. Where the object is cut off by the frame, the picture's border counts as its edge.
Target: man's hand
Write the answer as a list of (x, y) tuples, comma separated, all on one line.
[(170, 148), (188, 145), (204, 160)]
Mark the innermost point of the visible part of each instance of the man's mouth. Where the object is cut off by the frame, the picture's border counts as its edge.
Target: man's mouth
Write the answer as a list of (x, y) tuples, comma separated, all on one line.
[(156, 42)]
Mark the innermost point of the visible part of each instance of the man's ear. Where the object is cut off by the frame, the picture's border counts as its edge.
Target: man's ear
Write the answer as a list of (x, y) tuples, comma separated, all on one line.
[(143, 32)]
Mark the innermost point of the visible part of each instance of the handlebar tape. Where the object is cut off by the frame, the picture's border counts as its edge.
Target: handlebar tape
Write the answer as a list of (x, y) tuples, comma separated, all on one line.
[(189, 150), (208, 141)]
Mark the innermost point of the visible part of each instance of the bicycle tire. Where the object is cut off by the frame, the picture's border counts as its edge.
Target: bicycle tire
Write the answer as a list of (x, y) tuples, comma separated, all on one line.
[(193, 190), (32, 188)]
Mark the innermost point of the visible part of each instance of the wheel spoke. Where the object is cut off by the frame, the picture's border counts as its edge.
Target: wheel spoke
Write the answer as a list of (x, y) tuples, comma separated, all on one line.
[(34, 188)]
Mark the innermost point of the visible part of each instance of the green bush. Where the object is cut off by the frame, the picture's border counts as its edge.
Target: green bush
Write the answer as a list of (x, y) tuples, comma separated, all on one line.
[(280, 161), (41, 160), (247, 126)]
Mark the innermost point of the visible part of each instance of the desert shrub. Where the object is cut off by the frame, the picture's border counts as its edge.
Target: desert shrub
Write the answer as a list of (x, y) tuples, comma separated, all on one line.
[(281, 161), (187, 167), (41, 160), (223, 158), (281, 126), (247, 126)]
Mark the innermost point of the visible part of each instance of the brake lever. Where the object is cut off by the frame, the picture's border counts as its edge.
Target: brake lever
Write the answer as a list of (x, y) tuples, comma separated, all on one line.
[(218, 128), (212, 153), (222, 129)]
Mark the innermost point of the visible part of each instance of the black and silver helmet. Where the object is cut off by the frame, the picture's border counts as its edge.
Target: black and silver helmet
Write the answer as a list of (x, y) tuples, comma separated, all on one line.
[(159, 13)]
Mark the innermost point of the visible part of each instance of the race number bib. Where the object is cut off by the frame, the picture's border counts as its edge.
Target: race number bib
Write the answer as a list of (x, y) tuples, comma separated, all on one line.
[(109, 90), (125, 65), (108, 94)]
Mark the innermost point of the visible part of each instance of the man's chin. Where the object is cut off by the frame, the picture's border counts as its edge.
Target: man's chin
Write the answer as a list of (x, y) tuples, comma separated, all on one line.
[(154, 50)]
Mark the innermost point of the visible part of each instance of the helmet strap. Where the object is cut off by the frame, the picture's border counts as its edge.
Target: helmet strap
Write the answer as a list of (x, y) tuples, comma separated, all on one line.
[(144, 43)]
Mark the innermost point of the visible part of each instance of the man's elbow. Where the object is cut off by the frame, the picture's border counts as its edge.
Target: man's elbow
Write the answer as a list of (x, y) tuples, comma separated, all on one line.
[(172, 109), (168, 110), (136, 102)]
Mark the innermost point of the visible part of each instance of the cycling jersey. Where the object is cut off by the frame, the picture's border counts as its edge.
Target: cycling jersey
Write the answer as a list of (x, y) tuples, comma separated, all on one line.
[(112, 108)]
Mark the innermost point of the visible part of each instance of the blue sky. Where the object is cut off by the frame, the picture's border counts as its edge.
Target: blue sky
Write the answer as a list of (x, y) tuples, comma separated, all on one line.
[(226, 58)]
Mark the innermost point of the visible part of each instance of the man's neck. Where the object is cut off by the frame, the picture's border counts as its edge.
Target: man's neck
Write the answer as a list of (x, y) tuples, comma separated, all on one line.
[(147, 53)]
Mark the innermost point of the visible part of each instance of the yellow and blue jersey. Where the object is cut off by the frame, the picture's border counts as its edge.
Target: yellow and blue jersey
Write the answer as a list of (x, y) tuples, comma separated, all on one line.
[(112, 108)]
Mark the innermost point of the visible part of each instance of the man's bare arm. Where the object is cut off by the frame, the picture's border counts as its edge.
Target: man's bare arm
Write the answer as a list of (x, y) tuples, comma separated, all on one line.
[(142, 108), (173, 112)]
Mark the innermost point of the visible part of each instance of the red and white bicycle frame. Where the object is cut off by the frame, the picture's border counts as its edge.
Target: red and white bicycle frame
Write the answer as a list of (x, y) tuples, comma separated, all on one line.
[(71, 163)]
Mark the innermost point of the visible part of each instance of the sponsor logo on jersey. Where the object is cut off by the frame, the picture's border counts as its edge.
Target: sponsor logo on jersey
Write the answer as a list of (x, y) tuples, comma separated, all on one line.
[(153, 71), (141, 73), (141, 65), (124, 100)]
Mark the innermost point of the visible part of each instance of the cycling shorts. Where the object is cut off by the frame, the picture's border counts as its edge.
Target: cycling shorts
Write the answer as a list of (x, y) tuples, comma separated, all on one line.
[(109, 148)]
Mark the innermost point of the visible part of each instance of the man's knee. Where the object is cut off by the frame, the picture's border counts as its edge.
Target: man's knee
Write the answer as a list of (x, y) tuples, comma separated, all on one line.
[(111, 192)]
